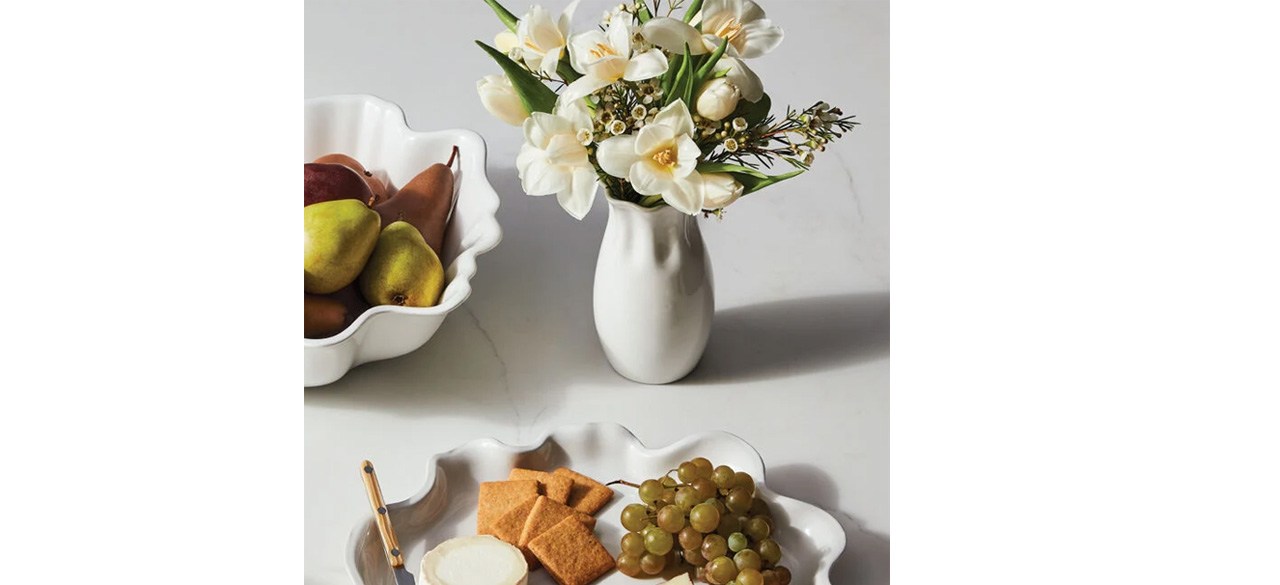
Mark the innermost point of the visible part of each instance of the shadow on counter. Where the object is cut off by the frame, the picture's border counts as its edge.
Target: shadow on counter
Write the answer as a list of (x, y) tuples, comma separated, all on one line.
[(865, 560)]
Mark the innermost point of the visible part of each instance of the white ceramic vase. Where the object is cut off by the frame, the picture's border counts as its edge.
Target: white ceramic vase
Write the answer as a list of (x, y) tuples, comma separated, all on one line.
[(653, 295)]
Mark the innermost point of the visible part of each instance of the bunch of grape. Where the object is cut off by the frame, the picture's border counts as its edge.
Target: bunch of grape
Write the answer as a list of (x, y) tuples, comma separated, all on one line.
[(709, 519)]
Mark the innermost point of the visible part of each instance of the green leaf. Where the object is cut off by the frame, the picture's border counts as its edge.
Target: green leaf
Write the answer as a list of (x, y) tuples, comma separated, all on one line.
[(683, 76), (751, 179), (669, 78), (566, 70), (643, 13), (535, 95), (754, 113), (693, 10), (705, 70), (503, 14), (686, 90)]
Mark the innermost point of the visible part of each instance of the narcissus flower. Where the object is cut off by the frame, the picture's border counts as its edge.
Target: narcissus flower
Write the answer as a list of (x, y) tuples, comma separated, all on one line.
[(660, 159), (606, 57), (553, 158), (500, 98)]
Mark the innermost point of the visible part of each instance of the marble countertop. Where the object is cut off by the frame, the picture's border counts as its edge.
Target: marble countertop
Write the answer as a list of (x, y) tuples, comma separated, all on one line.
[(798, 361)]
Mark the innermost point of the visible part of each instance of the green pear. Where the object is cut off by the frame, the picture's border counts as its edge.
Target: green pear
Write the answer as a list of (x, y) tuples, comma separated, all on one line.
[(403, 269), (338, 238)]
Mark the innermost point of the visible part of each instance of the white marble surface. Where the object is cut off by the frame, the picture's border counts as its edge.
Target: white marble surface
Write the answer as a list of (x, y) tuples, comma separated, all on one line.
[(798, 362)]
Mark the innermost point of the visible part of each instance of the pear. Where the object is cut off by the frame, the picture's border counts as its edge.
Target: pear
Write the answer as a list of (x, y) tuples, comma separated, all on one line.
[(338, 237), (331, 182), (327, 315), (403, 269), (375, 184), (425, 201)]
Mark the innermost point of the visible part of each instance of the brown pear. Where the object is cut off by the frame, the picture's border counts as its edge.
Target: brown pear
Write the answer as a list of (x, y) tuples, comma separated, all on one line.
[(424, 202), (376, 185), (329, 182), (327, 315)]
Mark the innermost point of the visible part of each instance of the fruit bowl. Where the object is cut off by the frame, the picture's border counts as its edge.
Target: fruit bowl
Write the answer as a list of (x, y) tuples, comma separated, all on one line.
[(374, 132)]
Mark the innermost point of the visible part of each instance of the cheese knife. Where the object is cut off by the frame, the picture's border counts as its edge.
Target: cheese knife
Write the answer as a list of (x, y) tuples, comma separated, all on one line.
[(383, 519)]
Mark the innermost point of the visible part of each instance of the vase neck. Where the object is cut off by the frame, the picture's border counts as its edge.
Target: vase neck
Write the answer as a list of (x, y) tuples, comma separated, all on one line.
[(662, 218)]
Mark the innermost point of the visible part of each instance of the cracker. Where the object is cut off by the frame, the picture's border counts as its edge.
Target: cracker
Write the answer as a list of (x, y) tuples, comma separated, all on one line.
[(497, 497), (587, 495), (545, 514), (571, 553), (508, 526), (556, 487)]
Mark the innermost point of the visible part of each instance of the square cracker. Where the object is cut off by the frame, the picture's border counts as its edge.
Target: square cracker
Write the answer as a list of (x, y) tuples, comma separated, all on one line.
[(545, 514), (587, 495), (496, 497), (556, 487), (508, 526), (571, 553)]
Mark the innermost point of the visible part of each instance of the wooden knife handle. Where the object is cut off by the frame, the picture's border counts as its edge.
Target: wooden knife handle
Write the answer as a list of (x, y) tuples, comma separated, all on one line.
[(380, 515)]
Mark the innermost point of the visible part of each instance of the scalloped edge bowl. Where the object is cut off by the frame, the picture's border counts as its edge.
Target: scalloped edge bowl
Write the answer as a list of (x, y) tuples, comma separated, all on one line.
[(445, 506), (374, 131)]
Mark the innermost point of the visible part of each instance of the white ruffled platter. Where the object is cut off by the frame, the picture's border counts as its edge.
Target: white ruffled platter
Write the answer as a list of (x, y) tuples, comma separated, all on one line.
[(445, 507)]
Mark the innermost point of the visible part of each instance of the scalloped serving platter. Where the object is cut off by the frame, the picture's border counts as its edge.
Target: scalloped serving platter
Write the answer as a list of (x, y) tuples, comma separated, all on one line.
[(445, 507), (374, 131)]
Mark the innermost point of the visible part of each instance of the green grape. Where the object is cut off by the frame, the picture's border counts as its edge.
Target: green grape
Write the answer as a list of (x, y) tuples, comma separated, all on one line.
[(689, 537), (769, 551), (650, 491), (719, 505), (738, 541), (705, 488), (635, 517), (668, 496), (739, 500), (743, 479), (693, 556), (704, 518), (747, 559), (758, 528), (687, 472), (750, 577), (722, 569), (633, 544), (629, 565), (704, 467), (653, 564), (770, 577), (722, 476), (729, 524), (671, 519), (784, 575), (714, 545), (667, 482), (687, 498), (701, 573), (658, 542), (760, 508)]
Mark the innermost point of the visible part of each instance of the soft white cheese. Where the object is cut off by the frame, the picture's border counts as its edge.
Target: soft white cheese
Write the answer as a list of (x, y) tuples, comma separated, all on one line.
[(474, 560), (682, 579)]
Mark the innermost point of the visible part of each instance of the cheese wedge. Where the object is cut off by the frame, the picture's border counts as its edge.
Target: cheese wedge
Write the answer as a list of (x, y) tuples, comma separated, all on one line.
[(682, 579), (474, 560)]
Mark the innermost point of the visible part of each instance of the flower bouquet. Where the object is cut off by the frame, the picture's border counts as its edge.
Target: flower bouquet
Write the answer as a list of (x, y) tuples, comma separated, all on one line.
[(659, 106)]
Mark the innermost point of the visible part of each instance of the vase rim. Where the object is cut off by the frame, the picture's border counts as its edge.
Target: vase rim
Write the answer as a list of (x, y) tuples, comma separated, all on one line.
[(640, 208)]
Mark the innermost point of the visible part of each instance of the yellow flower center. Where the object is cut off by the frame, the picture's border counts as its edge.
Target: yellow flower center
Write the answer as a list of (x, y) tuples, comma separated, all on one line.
[(666, 157), (601, 50), (730, 29)]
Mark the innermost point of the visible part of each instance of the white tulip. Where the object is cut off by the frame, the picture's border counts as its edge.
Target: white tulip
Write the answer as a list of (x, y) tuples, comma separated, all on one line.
[(605, 57), (553, 160), (542, 41), (673, 34), (721, 189), (717, 98), (500, 98), (660, 159), (742, 22)]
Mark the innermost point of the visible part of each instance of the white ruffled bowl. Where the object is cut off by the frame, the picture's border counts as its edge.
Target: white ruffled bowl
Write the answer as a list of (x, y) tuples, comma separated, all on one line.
[(374, 132)]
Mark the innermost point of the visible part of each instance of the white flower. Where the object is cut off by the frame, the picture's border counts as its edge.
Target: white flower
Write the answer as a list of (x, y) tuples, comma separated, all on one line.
[(660, 159), (500, 98), (672, 34), (579, 115), (552, 160), (605, 57), (721, 189), (540, 40), (742, 22), (742, 77), (717, 98)]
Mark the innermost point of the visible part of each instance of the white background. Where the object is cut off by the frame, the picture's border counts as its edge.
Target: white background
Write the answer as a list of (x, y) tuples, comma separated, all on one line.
[(798, 362), (1084, 208)]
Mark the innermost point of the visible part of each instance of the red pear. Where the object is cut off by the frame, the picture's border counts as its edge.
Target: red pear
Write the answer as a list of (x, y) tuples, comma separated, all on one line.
[(375, 184), (328, 315), (425, 202), (329, 182)]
